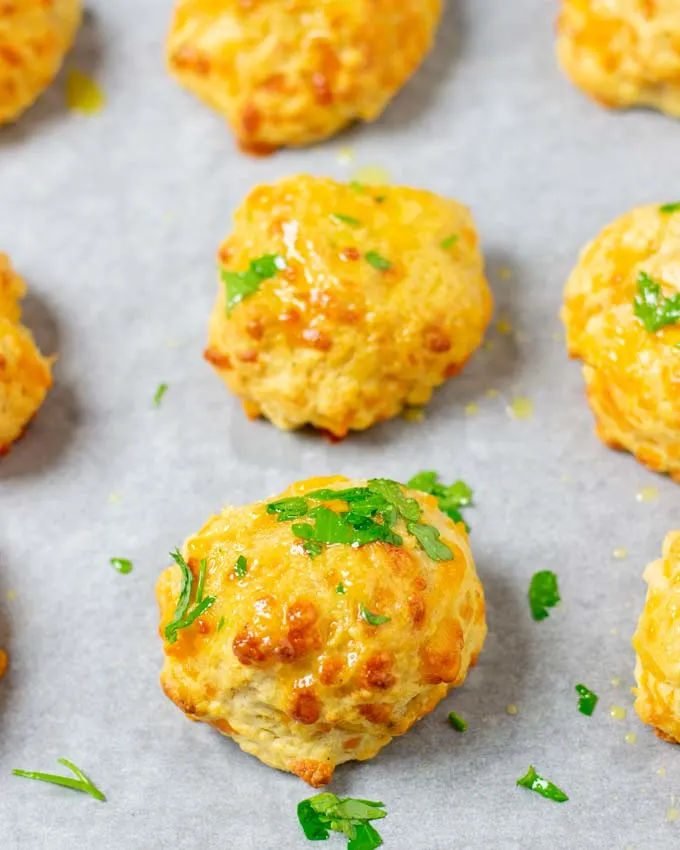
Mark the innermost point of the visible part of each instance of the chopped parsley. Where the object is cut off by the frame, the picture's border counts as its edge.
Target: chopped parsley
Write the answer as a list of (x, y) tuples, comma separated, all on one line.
[(160, 392), (543, 594), (346, 219), (80, 783), (184, 615), (312, 549), (340, 588), (587, 700), (450, 499), (371, 618), (544, 787), (241, 285), (288, 509), (358, 187), (652, 308), (666, 209), (352, 529), (428, 538), (378, 262), (241, 566), (326, 813), (121, 565), (449, 242), (457, 722), (220, 625)]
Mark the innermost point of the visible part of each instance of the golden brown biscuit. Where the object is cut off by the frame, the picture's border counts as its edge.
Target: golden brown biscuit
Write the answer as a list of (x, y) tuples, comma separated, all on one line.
[(297, 71), (657, 644), (311, 660), (25, 374), (632, 369), (367, 299), (623, 52), (34, 38)]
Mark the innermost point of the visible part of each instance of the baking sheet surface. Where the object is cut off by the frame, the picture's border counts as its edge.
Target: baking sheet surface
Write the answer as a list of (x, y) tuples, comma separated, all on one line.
[(114, 220)]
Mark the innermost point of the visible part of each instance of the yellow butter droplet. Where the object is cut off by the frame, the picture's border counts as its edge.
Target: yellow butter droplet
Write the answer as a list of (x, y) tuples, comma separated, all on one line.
[(11, 594), (492, 393), (620, 553), (472, 409), (615, 681), (521, 407), (511, 709), (672, 814), (505, 273), (566, 478), (630, 737), (346, 156), (647, 494), (372, 175), (504, 326), (83, 94), (413, 414), (617, 713), (661, 771)]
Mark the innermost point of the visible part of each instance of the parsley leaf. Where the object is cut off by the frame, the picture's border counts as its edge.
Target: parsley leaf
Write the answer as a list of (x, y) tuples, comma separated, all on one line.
[(183, 617), (378, 262), (348, 528), (160, 392), (542, 786), (288, 509), (220, 625), (121, 565), (391, 491), (326, 813), (346, 219), (449, 499), (449, 242), (80, 783), (371, 618), (666, 209), (340, 588), (543, 594), (241, 566), (652, 308), (241, 285), (587, 700), (312, 549), (457, 722), (428, 539)]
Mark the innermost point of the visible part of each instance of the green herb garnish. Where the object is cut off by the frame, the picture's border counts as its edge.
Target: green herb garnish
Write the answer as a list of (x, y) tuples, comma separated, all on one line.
[(312, 549), (160, 392), (203, 566), (653, 310), (326, 813), (121, 565), (80, 783), (183, 617), (358, 187), (241, 285), (371, 618), (587, 700), (666, 209), (378, 262), (449, 242), (220, 625), (241, 566), (340, 588), (542, 786), (457, 722), (428, 538), (543, 594), (346, 219), (449, 499), (391, 492), (288, 509)]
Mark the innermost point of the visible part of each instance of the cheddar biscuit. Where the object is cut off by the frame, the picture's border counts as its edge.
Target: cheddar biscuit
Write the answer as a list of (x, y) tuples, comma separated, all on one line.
[(332, 617)]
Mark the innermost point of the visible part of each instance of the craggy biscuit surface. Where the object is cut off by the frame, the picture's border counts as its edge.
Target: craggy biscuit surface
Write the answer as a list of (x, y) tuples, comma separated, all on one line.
[(623, 52), (379, 297), (285, 662), (632, 375), (291, 72), (34, 38), (657, 644)]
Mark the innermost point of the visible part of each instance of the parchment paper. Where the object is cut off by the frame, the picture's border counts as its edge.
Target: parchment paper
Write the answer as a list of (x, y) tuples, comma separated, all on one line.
[(114, 220)]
